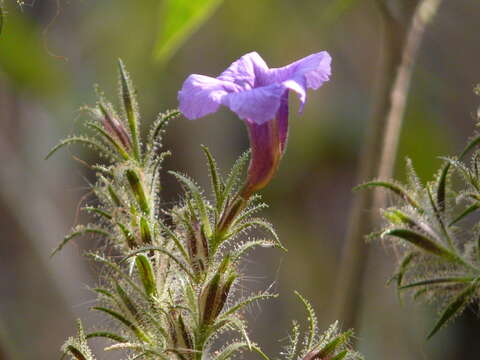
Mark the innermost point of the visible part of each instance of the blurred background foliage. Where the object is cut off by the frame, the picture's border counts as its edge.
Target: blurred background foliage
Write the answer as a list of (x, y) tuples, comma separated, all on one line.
[(51, 54)]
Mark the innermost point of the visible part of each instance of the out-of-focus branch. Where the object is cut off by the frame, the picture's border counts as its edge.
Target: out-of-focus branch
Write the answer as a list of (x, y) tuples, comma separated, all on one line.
[(400, 46)]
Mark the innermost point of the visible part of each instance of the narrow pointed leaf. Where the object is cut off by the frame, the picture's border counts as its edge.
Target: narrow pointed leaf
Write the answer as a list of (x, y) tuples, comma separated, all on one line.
[(130, 107), (163, 251), (312, 320), (235, 308), (438, 281), (127, 301), (474, 142), (396, 189), (159, 125), (332, 345), (107, 335), (116, 145), (213, 175), (76, 353), (441, 188), (129, 237), (231, 349), (472, 208), (455, 307), (196, 193), (420, 241), (138, 190), (84, 141), (79, 231), (136, 330)]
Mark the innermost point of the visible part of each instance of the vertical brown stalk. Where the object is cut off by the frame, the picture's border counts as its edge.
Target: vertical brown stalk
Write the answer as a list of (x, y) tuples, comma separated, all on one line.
[(400, 47)]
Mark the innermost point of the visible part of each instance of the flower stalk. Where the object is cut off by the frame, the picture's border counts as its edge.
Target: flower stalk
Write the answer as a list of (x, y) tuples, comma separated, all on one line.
[(400, 47)]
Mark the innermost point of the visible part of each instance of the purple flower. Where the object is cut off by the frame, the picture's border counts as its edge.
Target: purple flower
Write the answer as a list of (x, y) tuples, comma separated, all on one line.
[(259, 96)]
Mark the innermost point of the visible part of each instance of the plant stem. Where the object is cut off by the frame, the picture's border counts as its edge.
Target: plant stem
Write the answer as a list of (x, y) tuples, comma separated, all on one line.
[(400, 46)]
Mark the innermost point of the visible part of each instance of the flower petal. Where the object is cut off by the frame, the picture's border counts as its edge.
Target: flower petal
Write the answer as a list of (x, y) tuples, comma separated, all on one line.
[(282, 121), (307, 73), (258, 105), (201, 95), (246, 71)]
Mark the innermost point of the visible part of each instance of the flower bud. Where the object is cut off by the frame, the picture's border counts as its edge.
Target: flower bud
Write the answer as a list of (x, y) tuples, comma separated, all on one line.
[(197, 245), (316, 355), (215, 293), (115, 128), (137, 188), (179, 333)]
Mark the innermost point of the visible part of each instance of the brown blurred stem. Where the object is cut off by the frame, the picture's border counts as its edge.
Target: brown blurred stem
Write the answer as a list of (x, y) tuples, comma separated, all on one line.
[(400, 47)]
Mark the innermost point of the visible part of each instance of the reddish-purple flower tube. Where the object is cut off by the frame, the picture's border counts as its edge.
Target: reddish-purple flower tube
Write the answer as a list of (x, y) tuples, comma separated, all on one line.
[(259, 96)]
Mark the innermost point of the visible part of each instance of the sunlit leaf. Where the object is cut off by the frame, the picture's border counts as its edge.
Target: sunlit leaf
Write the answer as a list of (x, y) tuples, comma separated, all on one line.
[(180, 18)]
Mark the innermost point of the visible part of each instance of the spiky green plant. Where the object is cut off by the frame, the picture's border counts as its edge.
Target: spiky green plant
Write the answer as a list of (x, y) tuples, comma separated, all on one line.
[(171, 290), (434, 228)]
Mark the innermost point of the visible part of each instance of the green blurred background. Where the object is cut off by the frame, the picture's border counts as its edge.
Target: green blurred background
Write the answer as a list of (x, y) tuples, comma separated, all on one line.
[(50, 57)]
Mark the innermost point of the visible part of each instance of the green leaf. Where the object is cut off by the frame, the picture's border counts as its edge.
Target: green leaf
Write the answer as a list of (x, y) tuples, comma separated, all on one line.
[(402, 269), (98, 211), (76, 352), (138, 191), (473, 142), (129, 236), (396, 189), (117, 270), (180, 19), (258, 223), (250, 244), (163, 251), (312, 320), (130, 107), (294, 336), (145, 232), (229, 350), (197, 196), (84, 141), (178, 244), (233, 309), (159, 125), (441, 189), (234, 175), (332, 345), (79, 231), (421, 241), (398, 217), (136, 330), (107, 335), (146, 273), (455, 307), (216, 182), (466, 212), (126, 301), (439, 281)]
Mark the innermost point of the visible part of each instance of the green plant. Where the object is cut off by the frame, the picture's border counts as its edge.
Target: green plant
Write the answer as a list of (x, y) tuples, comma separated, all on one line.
[(434, 228), (171, 289)]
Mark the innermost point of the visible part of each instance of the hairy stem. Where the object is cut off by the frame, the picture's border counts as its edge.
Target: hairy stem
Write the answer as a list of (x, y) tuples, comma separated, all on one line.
[(400, 47)]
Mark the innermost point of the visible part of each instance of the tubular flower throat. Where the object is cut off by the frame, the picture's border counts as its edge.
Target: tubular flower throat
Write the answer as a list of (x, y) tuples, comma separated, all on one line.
[(259, 96)]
